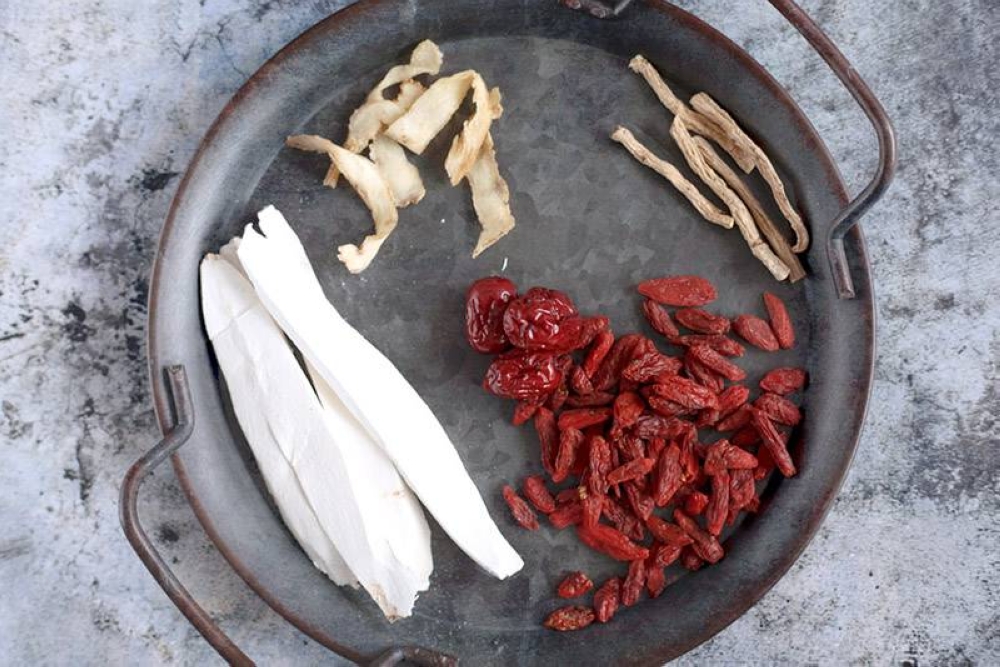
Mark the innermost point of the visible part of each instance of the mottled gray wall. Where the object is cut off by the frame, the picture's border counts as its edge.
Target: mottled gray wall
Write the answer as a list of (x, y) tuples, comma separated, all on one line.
[(104, 103)]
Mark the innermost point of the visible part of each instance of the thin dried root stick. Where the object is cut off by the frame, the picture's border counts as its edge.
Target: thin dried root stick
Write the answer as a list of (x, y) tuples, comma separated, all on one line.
[(695, 160), (668, 171), (711, 110), (767, 226), (695, 121)]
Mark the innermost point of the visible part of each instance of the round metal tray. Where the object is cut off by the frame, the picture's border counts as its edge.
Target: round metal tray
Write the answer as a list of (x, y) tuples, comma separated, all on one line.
[(590, 221)]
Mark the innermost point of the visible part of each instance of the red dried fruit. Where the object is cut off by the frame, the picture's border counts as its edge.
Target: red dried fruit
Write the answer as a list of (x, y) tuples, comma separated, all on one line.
[(634, 469), (583, 417), (639, 501), (738, 419), (485, 304), (731, 399), (702, 321), (659, 319), (679, 290), (706, 546), (548, 437), (537, 493), (533, 320), (669, 476), (594, 400), (741, 489), (722, 344), (574, 585), (523, 376), (628, 407), (665, 407), (779, 409), (558, 398), (695, 503), (570, 440), (607, 598), (611, 542), (634, 582), (523, 411), (569, 618), (685, 392), (765, 463), (569, 514), (756, 331), (647, 366), (773, 441), (602, 344), (521, 511), (579, 382), (781, 322), (703, 375), (570, 495), (747, 436), (667, 533), (718, 504), (610, 369), (783, 380), (599, 466), (717, 363), (667, 554), (592, 506), (654, 447), (656, 580), (690, 560), (722, 456)]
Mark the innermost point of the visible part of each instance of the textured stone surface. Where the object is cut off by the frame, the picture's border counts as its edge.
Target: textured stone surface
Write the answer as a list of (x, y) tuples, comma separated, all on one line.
[(102, 112)]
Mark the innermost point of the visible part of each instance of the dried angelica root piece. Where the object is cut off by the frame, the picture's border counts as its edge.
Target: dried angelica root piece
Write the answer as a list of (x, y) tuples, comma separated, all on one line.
[(696, 122), (707, 209), (402, 177), (466, 146), (366, 180), (742, 217), (711, 110), (431, 112), (767, 226), (490, 198)]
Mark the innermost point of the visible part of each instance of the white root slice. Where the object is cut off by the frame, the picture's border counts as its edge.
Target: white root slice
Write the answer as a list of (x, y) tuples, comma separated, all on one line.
[(367, 181), (490, 198), (767, 226), (374, 391), (744, 221), (402, 177), (432, 111), (316, 466), (465, 147), (711, 110), (696, 122), (643, 155)]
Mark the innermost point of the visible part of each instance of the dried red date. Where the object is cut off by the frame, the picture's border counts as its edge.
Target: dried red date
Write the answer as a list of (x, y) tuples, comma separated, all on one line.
[(779, 409), (722, 344), (607, 598), (537, 493), (533, 320), (569, 618), (773, 441), (717, 363), (634, 582), (523, 376), (574, 585), (581, 418), (660, 319), (783, 380), (521, 511), (781, 322), (756, 331), (702, 321), (548, 437), (611, 542), (485, 304), (685, 291)]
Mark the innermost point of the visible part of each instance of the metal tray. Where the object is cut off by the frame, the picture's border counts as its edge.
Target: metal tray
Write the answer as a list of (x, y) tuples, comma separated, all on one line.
[(590, 221)]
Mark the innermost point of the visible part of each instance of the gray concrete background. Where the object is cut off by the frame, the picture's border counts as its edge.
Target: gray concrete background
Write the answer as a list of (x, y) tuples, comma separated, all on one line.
[(103, 105)]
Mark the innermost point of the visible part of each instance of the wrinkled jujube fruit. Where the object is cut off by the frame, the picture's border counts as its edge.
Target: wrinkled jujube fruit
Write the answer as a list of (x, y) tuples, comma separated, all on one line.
[(486, 302)]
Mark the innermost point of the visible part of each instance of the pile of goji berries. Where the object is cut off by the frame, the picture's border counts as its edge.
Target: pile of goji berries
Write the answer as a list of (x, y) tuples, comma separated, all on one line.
[(619, 421)]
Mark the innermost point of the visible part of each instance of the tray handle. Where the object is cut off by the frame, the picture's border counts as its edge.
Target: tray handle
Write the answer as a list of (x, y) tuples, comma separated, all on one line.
[(828, 51), (179, 433)]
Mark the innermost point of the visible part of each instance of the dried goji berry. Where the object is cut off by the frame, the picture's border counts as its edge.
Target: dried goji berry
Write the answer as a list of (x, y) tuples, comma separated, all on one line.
[(570, 495), (738, 419), (592, 506), (647, 366), (569, 514), (569, 618), (690, 467), (634, 582), (611, 542), (523, 411), (598, 350), (533, 320), (668, 476), (746, 436), (570, 440), (667, 533), (634, 469), (779, 409), (781, 323), (717, 363), (722, 456), (765, 463), (707, 417), (594, 400), (628, 407), (673, 367), (537, 493), (600, 465), (579, 382), (656, 580), (607, 598), (558, 397), (695, 503), (690, 560), (756, 331), (666, 555), (641, 503), (783, 380), (583, 417), (574, 585), (521, 511), (610, 369), (679, 290), (703, 375), (630, 446), (722, 344), (659, 319), (702, 321), (741, 488), (686, 392), (731, 399), (773, 441), (616, 513), (666, 407), (485, 304), (718, 504), (706, 545), (548, 437), (654, 447)]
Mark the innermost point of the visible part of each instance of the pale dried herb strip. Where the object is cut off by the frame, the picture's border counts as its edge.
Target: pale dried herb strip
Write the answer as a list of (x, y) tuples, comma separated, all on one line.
[(711, 110), (707, 209)]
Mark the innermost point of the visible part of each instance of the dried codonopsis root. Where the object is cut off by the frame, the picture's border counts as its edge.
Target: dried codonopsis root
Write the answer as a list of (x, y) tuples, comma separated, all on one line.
[(696, 122), (366, 180), (490, 198), (711, 110), (681, 134), (707, 209), (767, 226)]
